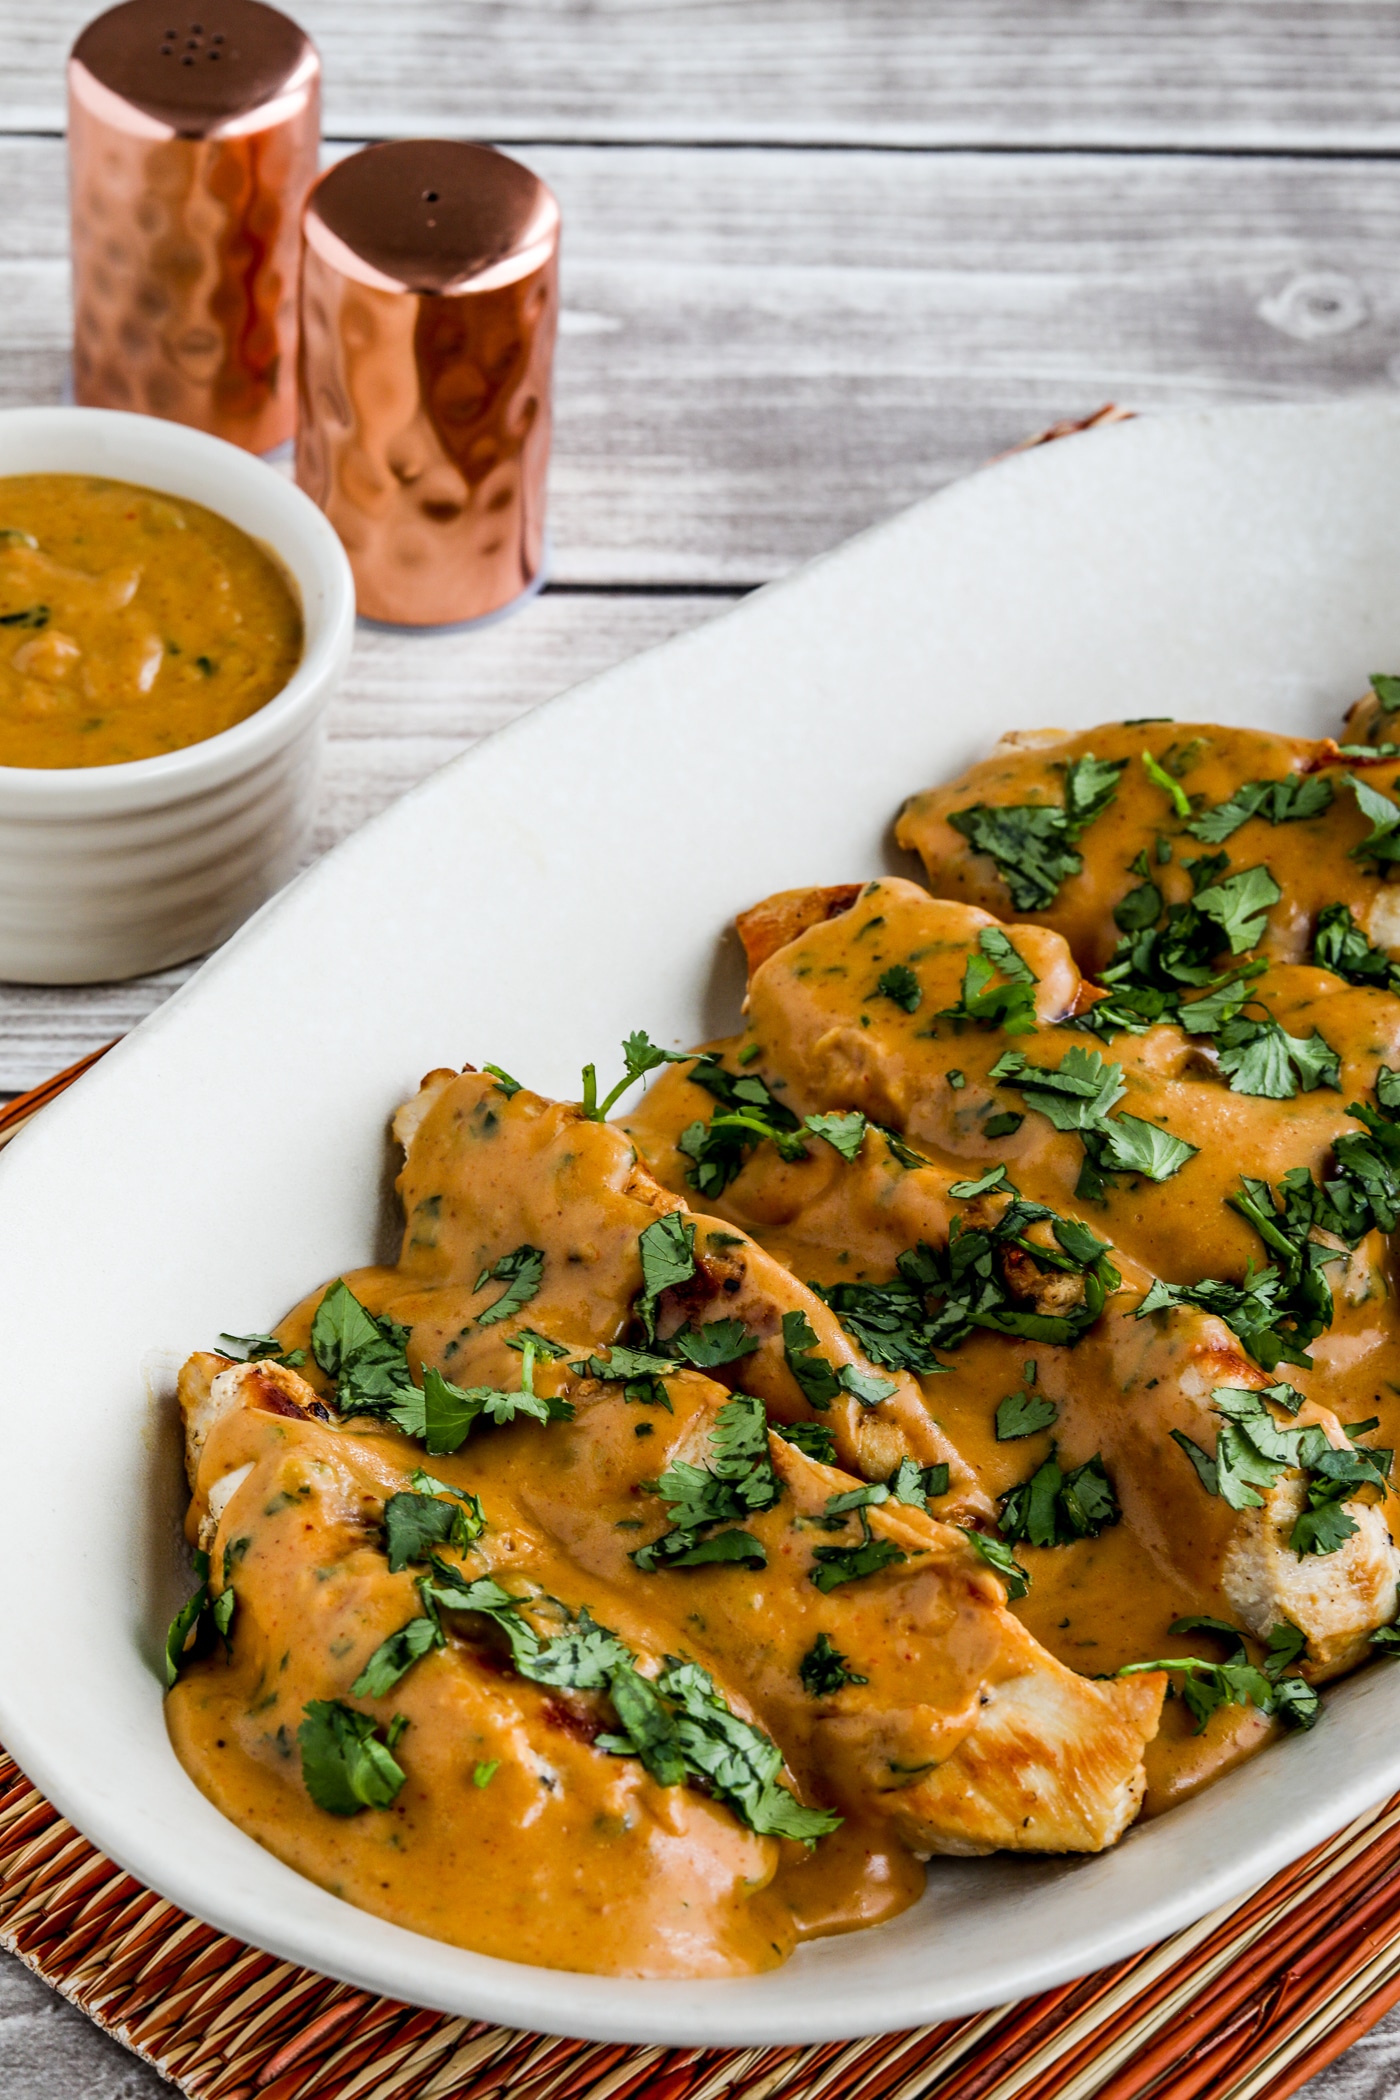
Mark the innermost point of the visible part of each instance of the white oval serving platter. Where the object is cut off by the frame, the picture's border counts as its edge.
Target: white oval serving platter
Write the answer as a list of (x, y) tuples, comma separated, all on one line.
[(566, 882)]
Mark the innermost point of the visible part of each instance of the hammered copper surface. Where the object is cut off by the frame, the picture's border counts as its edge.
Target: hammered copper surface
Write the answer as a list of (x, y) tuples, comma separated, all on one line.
[(429, 304), (192, 144)]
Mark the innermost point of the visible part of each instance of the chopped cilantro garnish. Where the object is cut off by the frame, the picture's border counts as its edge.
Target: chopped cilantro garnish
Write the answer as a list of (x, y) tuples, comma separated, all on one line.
[(1009, 1005), (748, 1115), (446, 1413), (1288, 801), (813, 1438), (520, 1271), (814, 1374), (1078, 1095), (997, 1554), (485, 1770), (1252, 1451), (1339, 945), (1386, 690), (640, 1055), (364, 1352), (901, 986), (681, 1728), (667, 1251), (261, 1348), (1023, 1414), (344, 1764), (504, 1083), (738, 1481), (919, 1485), (1033, 843), (1154, 968), (715, 1342), (414, 1524), (995, 1178), (1181, 801), (1273, 1686), (824, 1670), (187, 1623), (395, 1657), (639, 1372), (542, 1348), (844, 1133), (1055, 1508), (834, 1565), (1381, 844), (937, 1298)]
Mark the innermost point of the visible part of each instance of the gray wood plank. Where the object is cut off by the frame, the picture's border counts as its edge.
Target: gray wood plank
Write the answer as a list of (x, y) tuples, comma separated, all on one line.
[(51, 2051), (764, 351), (408, 705), (1240, 73)]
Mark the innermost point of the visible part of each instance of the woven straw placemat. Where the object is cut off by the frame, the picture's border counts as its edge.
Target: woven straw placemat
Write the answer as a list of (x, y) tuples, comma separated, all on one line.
[(1245, 2005)]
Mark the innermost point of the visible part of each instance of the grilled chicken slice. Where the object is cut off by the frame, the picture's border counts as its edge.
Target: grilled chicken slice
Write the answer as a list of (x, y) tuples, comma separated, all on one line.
[(1310, 857), (558, 1853), (953, 1732), (837, 1219), (488, 1173)]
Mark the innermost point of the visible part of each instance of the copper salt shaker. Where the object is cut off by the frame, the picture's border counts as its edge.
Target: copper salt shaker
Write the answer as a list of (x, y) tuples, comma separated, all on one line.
[(429, 303), (192, 139)]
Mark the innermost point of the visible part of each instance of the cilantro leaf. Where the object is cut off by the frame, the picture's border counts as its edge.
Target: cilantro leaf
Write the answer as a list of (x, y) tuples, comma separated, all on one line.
[(812, 1438), (1132, 1146), (713, 1343), (1291, 800), (824, 1670), (414, 1524), (901, 986), (344, 1765), (1009, 1005), (916, 1485), (1033, 844), (185, 1621), (366, 1353), (865, 1386), (640, 1055), (1241, 904), (1339, 945), (994, 1178), (1055, 1508), (936, 1299), (1381, 844), (844, 1133), (1274, 1688), (813, 1372), (739, 1763), (394, 1657), (1078, 1095), (520, 1271), (1023, 1414), (639, 1372), (834, 1565), (738, 1481), (667, 1251), (261, 1348), (749, 1115), (997, 1554)]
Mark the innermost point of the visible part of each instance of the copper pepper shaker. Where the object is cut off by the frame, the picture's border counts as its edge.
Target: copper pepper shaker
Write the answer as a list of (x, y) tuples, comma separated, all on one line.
[(192, 134), (429, 304)]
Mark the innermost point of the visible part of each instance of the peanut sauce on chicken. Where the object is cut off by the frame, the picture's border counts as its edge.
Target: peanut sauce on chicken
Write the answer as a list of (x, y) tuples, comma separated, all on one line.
[(952, 1414)]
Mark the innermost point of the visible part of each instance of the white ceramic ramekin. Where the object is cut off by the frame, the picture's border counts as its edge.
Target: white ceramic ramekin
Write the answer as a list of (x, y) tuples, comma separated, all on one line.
[(109, 871)]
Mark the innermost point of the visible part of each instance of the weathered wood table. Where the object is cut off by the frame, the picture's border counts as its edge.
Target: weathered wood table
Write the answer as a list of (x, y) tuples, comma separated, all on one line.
[(820, 256)]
